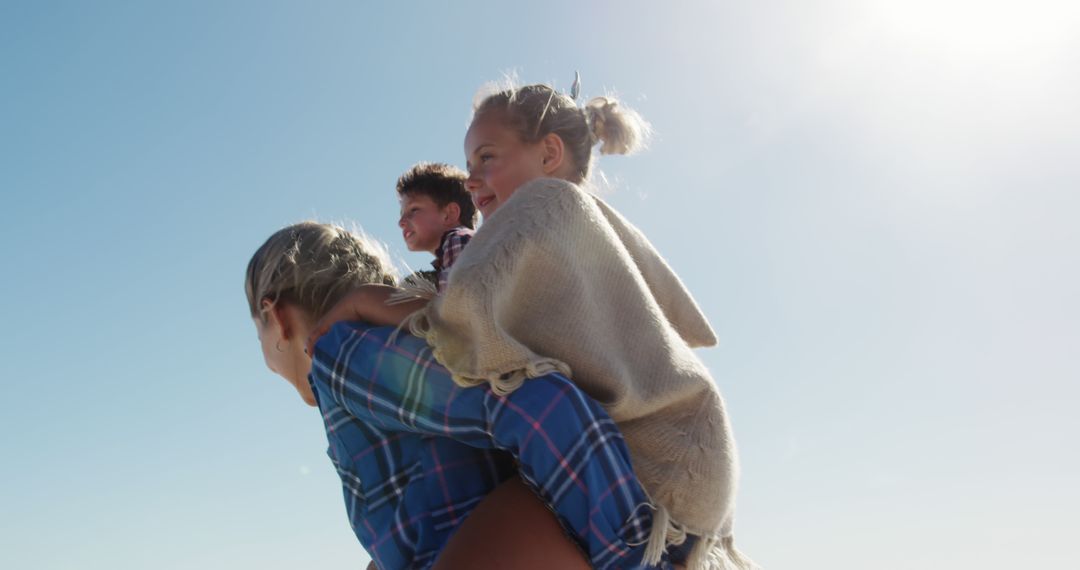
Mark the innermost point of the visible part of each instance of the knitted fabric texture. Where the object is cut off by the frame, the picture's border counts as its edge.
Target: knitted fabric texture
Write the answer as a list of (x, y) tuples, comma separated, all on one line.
[(556, 280)]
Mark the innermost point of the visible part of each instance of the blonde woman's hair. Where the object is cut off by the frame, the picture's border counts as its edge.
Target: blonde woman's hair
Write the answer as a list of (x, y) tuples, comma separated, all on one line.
[(534, 111), (313, 266)]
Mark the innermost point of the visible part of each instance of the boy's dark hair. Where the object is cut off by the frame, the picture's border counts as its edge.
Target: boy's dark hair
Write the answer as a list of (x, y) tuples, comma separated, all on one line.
[(442, 183)]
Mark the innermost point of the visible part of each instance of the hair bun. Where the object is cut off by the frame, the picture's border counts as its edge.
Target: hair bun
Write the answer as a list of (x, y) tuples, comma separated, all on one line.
[(620, 129), (536, 111)]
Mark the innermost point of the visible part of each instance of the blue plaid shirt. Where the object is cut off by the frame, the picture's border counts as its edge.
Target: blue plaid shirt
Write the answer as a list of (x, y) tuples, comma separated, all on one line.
[(416, 452)]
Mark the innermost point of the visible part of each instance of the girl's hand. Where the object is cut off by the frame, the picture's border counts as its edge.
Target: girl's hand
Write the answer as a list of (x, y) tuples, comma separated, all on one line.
[(344, 310), (367, 303)]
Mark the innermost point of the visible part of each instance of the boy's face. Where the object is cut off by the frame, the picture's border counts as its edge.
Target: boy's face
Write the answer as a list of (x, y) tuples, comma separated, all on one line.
[(423, 222)]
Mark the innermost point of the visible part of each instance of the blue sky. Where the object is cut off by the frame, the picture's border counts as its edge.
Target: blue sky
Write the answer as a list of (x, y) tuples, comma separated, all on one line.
[(874, 202)]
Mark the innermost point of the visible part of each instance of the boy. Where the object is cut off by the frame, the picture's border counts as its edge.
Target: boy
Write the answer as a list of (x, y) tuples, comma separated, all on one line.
[(437, 213)]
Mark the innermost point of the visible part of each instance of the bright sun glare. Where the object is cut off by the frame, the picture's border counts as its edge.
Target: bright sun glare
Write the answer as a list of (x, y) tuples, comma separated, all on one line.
[(975, 29)]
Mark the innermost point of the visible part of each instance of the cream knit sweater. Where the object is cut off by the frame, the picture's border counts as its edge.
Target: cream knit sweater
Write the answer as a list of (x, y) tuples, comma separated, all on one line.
[(556, 280)]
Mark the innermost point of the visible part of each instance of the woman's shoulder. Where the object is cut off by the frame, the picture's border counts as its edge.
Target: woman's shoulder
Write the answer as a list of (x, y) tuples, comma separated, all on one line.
[(328, 346)]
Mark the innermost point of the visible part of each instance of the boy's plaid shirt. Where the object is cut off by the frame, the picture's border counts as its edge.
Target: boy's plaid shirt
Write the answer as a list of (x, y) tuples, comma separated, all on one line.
[(450, 246), (416, 452)]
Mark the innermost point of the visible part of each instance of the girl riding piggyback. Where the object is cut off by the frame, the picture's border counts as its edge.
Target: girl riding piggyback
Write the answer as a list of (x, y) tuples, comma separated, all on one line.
[(556, 280)]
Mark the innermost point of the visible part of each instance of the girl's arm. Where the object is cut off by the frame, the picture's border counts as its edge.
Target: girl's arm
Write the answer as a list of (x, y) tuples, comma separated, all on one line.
[(367, 303)]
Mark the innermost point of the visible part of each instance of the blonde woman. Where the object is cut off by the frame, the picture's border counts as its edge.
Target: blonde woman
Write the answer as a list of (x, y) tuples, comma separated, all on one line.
[(436, 475)]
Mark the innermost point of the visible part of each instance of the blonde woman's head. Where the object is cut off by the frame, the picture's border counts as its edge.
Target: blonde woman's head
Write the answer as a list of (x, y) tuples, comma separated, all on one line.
[(312, 266), (294, 279)]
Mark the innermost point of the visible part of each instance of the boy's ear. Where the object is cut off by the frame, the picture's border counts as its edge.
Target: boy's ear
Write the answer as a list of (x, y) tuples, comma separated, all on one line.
[(553, 153), (452, 214)]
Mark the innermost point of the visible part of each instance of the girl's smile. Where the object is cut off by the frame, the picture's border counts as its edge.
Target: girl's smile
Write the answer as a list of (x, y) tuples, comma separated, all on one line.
[(482, 201)]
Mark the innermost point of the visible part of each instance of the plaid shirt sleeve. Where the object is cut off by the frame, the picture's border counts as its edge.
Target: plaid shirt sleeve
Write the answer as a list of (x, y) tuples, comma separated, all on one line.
[(568, 450), (453, 242)]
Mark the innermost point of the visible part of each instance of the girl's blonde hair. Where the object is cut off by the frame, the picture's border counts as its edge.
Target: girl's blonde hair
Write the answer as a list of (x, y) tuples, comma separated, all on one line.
[(313, 266), (535, 111)]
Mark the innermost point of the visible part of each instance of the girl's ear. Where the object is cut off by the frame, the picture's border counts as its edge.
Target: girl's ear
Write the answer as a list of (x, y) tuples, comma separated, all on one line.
[(553, 153)]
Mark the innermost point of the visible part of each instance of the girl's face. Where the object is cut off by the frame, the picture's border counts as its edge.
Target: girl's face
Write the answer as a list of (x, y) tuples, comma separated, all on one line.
[(498, 162)]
